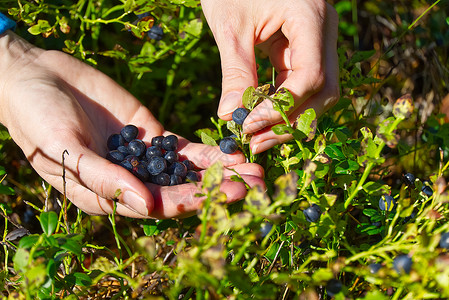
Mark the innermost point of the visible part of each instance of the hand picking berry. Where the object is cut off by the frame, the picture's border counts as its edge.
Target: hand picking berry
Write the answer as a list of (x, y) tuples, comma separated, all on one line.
[(158, 163)]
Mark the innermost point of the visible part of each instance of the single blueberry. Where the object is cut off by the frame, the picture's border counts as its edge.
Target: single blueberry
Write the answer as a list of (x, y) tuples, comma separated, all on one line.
[(444, 241), (402, 264), (129, 132), (143, 15), (170, 142), (265, 228), (136, 147), (374, 268), (178, 169), (114, 141), (153, 151), (141, 172), (386, 202), (189, 164), (157, 141), (127, 165), (123, 149), (312, 213), (162, 179), (175, 179), (171, 156), (156, 33), (228, 145), (333, 287), (115, 156), (192, 176), (239, 115), (409, 179), (427, 190), (157, 165)]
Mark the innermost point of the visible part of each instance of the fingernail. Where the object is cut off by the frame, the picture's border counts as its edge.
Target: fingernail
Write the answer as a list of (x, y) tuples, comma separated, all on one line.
[(229, 103), (265, 145), (135, 202), (254, 126)]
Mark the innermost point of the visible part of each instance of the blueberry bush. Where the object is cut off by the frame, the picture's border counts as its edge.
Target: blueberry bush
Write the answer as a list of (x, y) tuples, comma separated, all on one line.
[(356, 205)]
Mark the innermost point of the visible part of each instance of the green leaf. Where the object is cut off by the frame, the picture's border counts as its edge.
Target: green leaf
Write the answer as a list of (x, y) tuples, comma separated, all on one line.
[(213, 176), (286, 188), (247, 97), (403, 107), (256, 201), (6, 190), (306, 123), (284, 99), (49, 221), (233, 127), (42, 26), (207, 139), (82, 279), (73, 246), (193, 27), (320, 144), (360, 56), (346, 167), (369, 212), (21, 259), (281, 129), (4, 135), (28, 241)]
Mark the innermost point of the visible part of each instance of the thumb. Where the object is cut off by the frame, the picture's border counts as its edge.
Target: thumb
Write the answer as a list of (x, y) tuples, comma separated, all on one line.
[(239, 71)]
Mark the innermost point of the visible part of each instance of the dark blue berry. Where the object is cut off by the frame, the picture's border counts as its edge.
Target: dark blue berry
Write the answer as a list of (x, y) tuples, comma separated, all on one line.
[(178, 169), (162, 179), (409, 179), (157, 165), (386, 202), (143, 15), (114, 141), (444, 241), (170, 142), (374, 268), (127, 165), (312, 213), (153, 151), (115, 156), (157, 141), (427, 190), (171, 156), (123, 149), (136, 147), (402, 264), (141, 172), (239, 115), (192, 176), (228, 145), (333, 287), (129, 132), (175, 179), (265, 228), (156, 33), (189, 164)]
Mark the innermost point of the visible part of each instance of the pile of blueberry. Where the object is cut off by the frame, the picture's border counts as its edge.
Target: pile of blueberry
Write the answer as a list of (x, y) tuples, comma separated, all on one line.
[(228, 145), (158, 163)]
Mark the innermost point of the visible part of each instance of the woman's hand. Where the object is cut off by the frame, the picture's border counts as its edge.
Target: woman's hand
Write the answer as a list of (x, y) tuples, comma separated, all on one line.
[(51, 102), (300, 37)]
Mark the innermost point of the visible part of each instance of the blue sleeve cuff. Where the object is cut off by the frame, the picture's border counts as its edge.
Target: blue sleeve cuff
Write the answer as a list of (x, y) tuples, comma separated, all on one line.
[(6, 23)]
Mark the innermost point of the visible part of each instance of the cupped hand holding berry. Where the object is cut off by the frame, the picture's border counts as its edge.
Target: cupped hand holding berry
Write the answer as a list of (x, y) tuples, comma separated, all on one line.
[(51, 102), (300, 37)]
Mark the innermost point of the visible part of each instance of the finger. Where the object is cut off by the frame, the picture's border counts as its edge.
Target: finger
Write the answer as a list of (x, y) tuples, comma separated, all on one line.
[(86, 168), (297, 56), (182, 200), (92, 204), (238, 65), (203, 156)]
